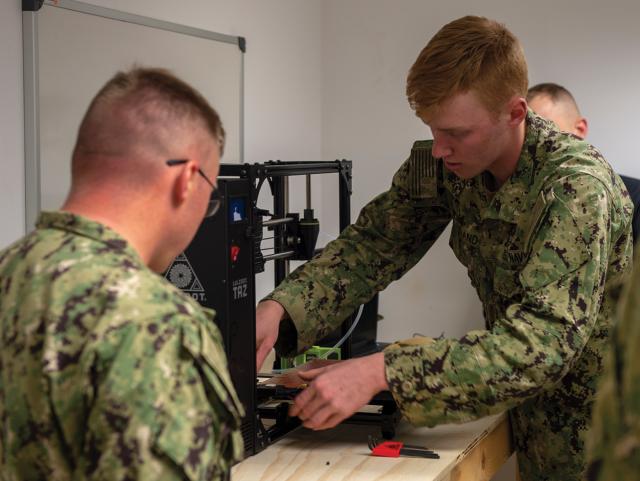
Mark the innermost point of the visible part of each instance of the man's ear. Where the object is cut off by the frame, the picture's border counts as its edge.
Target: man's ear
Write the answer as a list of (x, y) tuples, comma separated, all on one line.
[(581, 128), (184, 183), (517, 110)]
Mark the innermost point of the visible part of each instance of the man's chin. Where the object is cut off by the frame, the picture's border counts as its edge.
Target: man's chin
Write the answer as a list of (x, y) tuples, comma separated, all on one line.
[(462, 174), (455, 167)]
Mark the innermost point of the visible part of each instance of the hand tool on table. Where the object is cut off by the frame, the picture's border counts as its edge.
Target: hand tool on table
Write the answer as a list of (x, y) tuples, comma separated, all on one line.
[(394, 449)]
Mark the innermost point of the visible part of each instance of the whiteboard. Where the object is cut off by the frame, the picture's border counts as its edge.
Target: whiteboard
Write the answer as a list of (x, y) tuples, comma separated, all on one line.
[(72, 48)]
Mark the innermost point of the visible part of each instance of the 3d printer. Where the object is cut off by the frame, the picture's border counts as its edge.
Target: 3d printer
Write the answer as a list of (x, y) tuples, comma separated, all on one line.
[(218, 269)]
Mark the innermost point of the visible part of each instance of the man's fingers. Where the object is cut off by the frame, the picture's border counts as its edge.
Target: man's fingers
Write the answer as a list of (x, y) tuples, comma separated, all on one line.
[(300, 401), (311, 374), (308, 408), (319, 419), (337, 391), (334, 420), (331, 422)]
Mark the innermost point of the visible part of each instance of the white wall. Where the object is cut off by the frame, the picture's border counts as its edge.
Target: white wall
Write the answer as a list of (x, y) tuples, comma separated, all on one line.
[(282, 66), (282, 88), (11, 124)]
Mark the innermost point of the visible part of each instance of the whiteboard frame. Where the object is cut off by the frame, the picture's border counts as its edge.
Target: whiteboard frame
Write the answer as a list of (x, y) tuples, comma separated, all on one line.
[(31, 84)]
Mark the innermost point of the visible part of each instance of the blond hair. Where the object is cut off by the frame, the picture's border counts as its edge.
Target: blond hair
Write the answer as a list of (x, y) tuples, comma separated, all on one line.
[(470, 53)]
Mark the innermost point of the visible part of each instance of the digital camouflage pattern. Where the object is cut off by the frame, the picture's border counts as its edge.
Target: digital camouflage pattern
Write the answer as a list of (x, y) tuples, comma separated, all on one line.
[(546, 253), (107, 370), (614, 440)]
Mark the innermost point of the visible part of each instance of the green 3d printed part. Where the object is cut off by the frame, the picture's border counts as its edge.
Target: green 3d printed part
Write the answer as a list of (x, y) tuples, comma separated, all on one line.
[(316, 352)]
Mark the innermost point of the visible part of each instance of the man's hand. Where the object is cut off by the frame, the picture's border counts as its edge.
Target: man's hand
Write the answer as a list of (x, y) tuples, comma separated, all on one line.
[(268, 317), (339, 390)]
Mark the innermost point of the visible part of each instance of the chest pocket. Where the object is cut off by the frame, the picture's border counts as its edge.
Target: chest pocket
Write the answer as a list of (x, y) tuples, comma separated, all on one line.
[(506, 283), (465, 241), (494, 254), (508, 256), (469, 246)]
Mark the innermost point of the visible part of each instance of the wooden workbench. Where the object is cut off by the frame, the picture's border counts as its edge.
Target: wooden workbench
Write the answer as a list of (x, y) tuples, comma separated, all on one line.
[(468, 452)]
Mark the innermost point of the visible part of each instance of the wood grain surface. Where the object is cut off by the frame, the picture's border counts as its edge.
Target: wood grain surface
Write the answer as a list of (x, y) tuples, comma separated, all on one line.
[(470, 452)]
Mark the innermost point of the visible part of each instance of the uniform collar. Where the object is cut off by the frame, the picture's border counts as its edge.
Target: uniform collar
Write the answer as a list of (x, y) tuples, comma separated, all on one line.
[(515, 196), (66, 221)]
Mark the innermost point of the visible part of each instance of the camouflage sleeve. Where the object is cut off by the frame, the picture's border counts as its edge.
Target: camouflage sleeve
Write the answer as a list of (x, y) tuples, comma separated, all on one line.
[(162, 410), (533, 345), (613, 444), (390, 236)]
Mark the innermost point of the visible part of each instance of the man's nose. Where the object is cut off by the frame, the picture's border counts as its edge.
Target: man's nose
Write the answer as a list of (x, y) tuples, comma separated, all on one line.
[(440, 149)]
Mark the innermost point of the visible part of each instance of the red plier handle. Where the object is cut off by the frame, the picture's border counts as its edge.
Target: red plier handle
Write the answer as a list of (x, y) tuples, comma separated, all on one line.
[(394, 449)]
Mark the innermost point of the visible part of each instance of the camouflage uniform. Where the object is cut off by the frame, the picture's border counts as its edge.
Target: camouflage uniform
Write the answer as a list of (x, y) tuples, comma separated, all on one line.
[(614, 440), (107, 371), (546, 254)]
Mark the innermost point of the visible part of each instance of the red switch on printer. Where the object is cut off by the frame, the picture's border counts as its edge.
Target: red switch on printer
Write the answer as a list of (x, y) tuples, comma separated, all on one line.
[(235, 250)]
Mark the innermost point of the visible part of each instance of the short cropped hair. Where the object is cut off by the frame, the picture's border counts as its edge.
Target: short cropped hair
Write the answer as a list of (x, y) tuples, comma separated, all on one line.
[(470, 53), (147, 93), (557, 93)]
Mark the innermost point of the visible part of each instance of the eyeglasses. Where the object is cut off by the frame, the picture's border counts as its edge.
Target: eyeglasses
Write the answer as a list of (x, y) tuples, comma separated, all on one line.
[(215, 200)]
